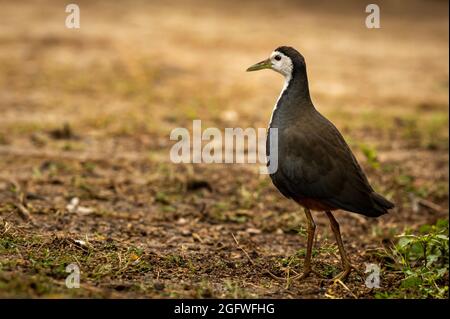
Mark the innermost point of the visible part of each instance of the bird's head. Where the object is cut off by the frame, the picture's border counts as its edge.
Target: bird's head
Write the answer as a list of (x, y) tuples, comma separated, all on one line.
[(284, 60)]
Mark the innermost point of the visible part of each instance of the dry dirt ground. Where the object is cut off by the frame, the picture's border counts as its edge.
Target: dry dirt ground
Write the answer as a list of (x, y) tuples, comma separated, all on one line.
[(87, 114)]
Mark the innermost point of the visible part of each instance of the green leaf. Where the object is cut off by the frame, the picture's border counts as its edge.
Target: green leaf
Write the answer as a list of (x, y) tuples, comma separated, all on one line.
[(441, 272), (441, 236), (411, 282), (425, 229), (405, 241), (432, 258)]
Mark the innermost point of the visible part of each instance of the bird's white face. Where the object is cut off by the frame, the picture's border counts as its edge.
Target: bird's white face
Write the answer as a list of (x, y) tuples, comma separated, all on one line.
[(281, 63), (278, 62)]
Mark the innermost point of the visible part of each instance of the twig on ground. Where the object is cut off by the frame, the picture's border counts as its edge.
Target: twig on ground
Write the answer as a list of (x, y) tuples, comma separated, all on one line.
[(20, 203), (274, 276), (23, 212), (346, 288), (430, 205), (243, 250)]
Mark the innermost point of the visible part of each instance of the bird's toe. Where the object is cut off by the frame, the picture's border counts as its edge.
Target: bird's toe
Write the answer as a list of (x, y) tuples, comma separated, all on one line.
[(343, 275)]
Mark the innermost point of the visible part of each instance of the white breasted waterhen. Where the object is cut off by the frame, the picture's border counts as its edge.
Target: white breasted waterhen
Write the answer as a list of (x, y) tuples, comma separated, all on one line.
[(316, 167)]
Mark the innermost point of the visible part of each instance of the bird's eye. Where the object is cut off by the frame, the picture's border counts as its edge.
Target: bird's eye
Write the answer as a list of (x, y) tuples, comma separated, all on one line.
[(277, 57)]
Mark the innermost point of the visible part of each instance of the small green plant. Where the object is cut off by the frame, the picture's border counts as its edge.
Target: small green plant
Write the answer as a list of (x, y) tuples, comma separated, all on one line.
[(423, 259), (371, 155)]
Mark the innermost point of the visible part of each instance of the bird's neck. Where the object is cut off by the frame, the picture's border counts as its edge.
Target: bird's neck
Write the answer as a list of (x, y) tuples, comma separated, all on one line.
[(297, 86), (293, 100)]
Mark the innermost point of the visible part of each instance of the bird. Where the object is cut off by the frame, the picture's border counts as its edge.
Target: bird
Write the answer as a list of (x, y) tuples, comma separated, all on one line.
[(316, 168)]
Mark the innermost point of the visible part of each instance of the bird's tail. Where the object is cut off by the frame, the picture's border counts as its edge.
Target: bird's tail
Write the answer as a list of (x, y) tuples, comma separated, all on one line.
[(381, 204)]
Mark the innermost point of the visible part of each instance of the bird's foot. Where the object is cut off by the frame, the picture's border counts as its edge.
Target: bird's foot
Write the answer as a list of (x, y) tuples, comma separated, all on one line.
[(299, 277), (344, 274), (290, 279), (306, 272)]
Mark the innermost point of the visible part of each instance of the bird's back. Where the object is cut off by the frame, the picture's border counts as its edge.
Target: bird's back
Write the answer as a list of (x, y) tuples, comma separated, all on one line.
[(316, 166)]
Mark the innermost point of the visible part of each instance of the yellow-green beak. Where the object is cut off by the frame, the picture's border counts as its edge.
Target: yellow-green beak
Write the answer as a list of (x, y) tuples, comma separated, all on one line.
[(266, 64)]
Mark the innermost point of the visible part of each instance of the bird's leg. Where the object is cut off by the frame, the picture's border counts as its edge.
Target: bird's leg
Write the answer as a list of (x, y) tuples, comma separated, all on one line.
[(344, 258), (311, 228)]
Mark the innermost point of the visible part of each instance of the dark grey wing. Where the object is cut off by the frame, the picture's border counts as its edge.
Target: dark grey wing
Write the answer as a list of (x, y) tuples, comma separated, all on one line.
[(318, 164)]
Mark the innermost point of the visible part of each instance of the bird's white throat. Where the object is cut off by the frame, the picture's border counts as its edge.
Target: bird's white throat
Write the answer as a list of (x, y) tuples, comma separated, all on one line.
[(284, 66), (287, 80)]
